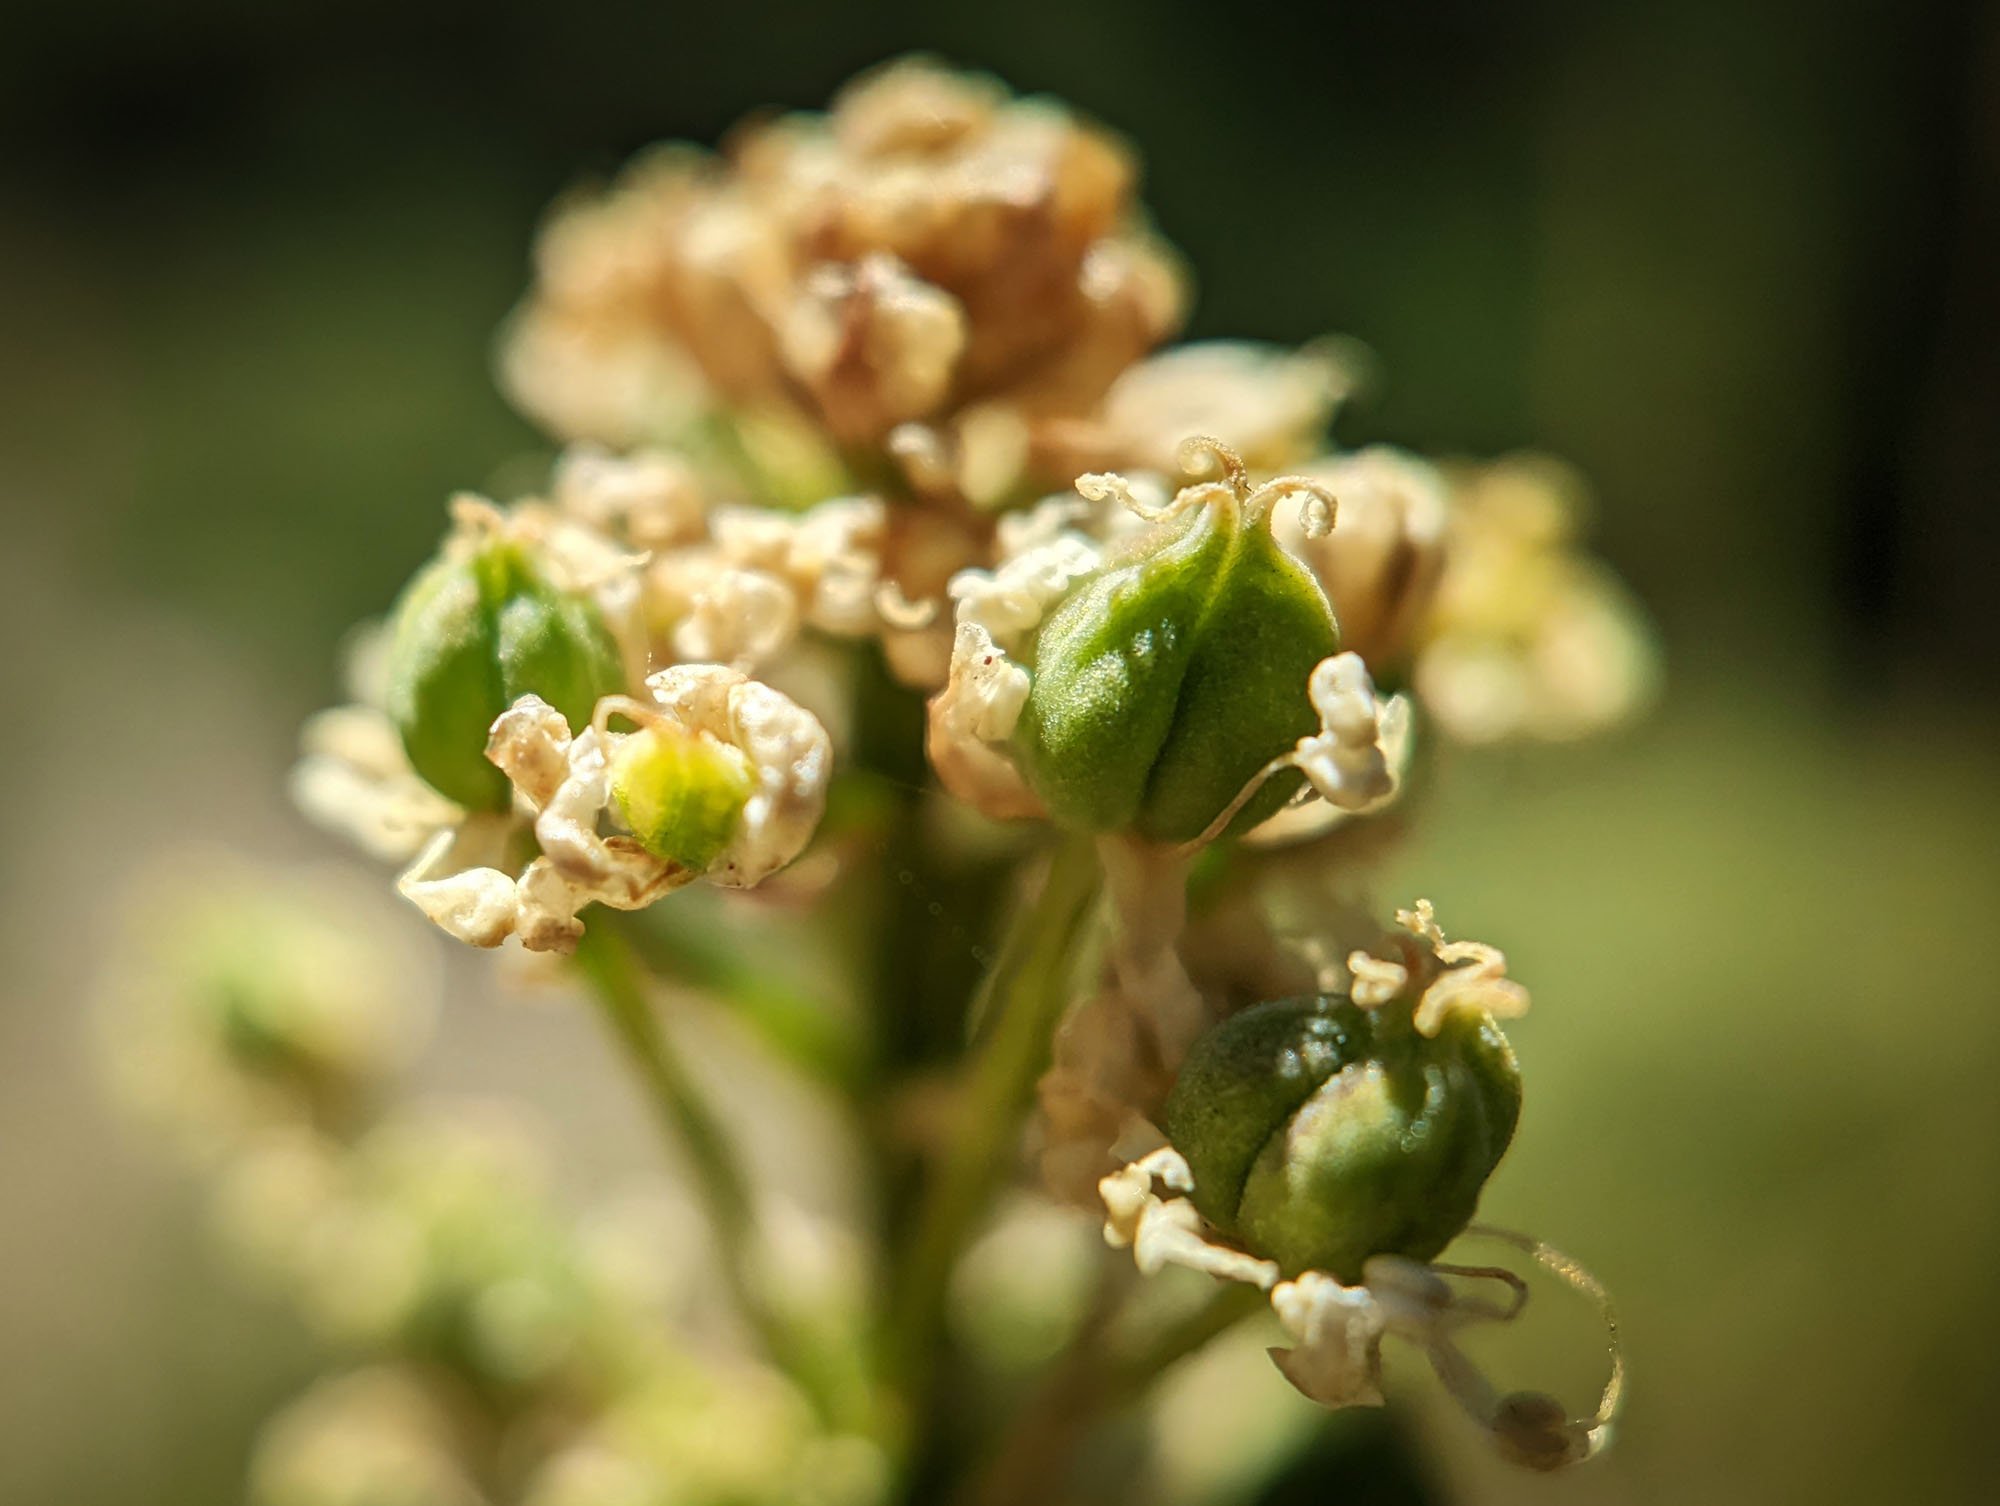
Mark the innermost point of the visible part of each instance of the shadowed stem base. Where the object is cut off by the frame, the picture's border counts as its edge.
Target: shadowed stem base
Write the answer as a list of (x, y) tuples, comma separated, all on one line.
[(618, 985), (1033, 1457), (1021, 1003)]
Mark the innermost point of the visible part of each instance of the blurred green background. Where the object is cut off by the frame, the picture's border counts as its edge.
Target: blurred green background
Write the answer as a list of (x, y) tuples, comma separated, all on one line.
[(1735, 259)]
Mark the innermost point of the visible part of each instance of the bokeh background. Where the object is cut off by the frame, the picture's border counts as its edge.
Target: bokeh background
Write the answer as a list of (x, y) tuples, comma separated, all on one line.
[(1735, 258)]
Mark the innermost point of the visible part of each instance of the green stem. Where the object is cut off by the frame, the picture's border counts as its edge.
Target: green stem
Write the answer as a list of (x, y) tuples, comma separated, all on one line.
[(1131, 1377), (618, 984), (1032, 1459), (1020, 1005), (689, 943)]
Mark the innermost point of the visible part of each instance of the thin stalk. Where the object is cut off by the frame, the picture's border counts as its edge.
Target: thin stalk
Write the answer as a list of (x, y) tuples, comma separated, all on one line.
[(683, 943), (1131, 1377), (1032, 1459), (1021, 1003), (618, 984)]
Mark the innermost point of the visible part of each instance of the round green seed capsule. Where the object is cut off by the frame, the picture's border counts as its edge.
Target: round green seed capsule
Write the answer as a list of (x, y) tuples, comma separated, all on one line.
[(1320, 1133), (1162, 684), (474, 632)]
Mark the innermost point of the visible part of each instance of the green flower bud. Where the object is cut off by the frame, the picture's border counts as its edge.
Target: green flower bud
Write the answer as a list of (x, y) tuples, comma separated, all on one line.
[(1163, 683), (475, 630), (682, 793), (1320, 1133)]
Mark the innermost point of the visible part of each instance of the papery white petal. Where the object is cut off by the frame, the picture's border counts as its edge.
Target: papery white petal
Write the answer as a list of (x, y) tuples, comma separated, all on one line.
[(1168, 1231), (970, 719), (354, 780), (1336, 1357), (649, 498), (468, 900), (1346, 760), (739, 617), (1009, 602)]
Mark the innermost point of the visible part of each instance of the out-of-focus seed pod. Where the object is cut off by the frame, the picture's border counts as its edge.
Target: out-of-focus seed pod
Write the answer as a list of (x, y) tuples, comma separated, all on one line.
[(1320, 1133), (1165, 682), (478, 628)]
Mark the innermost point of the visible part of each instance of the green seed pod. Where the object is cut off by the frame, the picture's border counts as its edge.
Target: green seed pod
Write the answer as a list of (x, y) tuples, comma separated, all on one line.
[(1320, 1133), (477, 629), (1162, 684), (682, 793)]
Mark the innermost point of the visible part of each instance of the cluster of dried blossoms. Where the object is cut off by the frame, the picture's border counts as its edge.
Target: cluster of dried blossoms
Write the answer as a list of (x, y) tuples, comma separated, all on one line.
[(871, 440)]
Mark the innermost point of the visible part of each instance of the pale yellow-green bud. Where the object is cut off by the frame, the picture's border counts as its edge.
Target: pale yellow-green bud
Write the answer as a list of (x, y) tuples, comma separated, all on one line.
[(682, 793)]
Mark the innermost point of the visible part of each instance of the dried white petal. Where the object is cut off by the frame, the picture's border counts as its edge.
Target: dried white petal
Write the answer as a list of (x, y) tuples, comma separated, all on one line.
[(874, 343), (830, 556), (650, 499), (1017, 532), (1528, 637), (530, 744), (1168, 1231), (738, 617), (1346, 761), (1381, 567), (1376, 981), (1336, 1357), (971, 718), (592, 380), (467, 898), (1473, 978), (354, 780), (1270, 404), (837, 556), (549, 897), (1010, 601)]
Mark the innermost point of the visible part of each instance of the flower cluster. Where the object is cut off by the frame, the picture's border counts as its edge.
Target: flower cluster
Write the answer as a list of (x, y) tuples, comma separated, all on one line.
[(482, 749), (931, 268), (894, 581)]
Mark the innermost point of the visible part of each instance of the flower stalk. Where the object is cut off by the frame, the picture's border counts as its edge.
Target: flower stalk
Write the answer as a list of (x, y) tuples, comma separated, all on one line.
[(1020, 1004), (1033, 1455), (617, 984)]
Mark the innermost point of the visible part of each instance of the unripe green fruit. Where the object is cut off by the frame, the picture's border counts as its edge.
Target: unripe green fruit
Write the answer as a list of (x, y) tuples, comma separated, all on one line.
[(1164, 683), (473, 633), (1320, 1133), (680, 792)]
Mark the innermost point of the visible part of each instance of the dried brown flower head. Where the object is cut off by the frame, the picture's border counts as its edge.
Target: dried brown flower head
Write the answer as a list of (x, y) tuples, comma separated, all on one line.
[(928, 245)]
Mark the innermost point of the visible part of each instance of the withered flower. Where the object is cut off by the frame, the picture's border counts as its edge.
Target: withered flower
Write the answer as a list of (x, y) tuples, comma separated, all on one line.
[(931, 268)]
